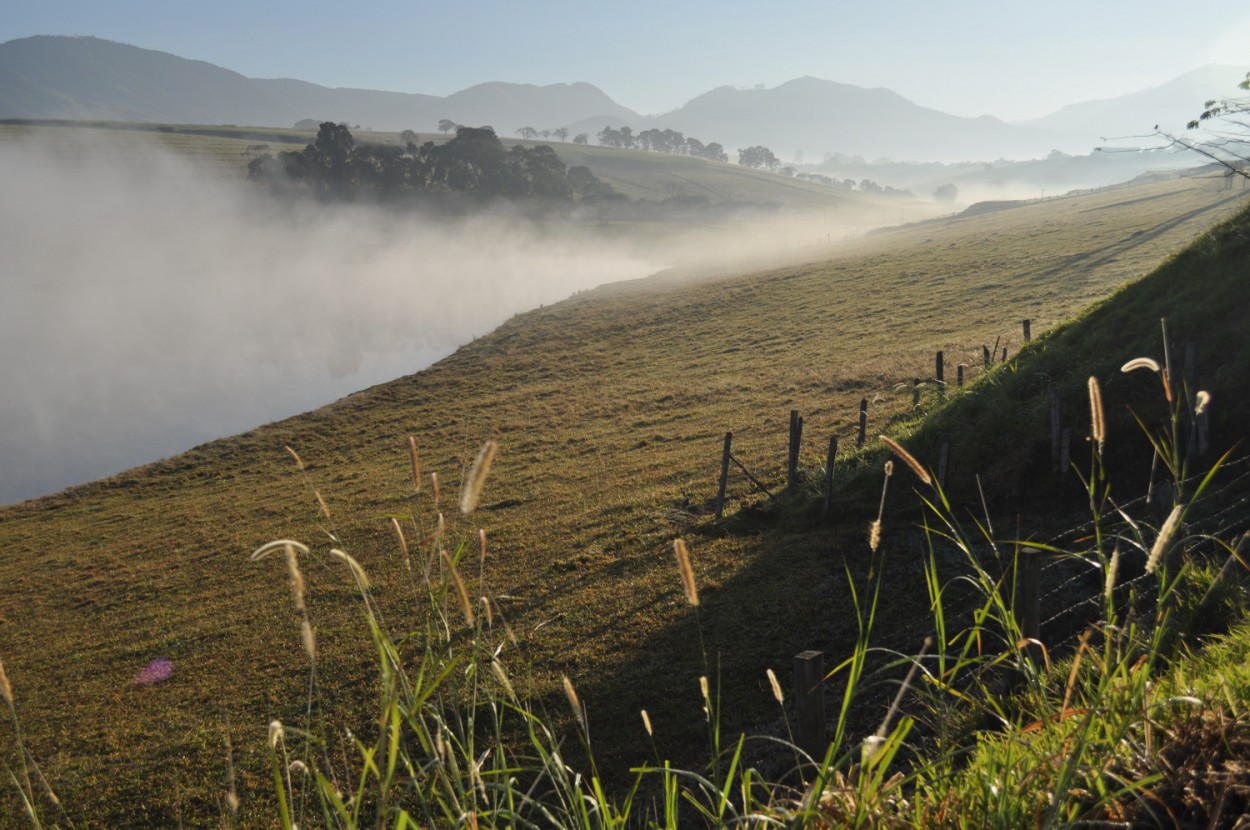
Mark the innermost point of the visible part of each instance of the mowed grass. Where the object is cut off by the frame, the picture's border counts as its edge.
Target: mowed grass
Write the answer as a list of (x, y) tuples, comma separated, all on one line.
[(609, 410)]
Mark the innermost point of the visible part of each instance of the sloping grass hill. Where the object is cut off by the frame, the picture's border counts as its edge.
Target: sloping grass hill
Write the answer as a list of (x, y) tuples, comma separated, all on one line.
[(609, 410)]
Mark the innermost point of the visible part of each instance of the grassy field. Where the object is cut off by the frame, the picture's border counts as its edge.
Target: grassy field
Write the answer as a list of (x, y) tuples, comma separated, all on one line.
[(609, 410)]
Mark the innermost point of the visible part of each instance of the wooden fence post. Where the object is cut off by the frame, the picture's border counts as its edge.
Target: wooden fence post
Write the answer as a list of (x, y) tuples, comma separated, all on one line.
[(939, 373), (985, 354), (796, 438), (1004, 354), (1028, 330), (809, 703), (724, 476), (863, 422), (833, 452), (959, 376), (915, 392), (1028, 604)]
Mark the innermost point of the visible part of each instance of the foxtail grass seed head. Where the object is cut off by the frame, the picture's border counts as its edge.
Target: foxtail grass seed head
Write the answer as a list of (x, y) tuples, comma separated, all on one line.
[(907, 458), (646, 723), (297, 578), (889, 469), (416, 463), (574, 702), (358, 573), (1140, 363), (477, 477), (688, 585), (278, 544), (6, 691), (275, 733), (777, 693), (465, 605), (1164, 539), (434, 487), (321, 504), (299, 462), (1113, 571), (501, 677), (703, 688), (310, 640), (403, 543), (490, 614), (874, 535), (1201, 401), (297, 767), (232, 802), (1097, 424), (481, 544)]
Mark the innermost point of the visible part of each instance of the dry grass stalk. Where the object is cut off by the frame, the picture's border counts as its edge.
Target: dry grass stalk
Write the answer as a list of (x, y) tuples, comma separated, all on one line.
[(6, 691), (688, 585), (278, 544), (434, 487), (321, 503), (1097, 423), (439, 529), (907, 458), (403, 543), (357, 572), (874, 529), (465, 605), (777, 693), (1164, 539), (477, 477), (299, 462), (501, 677), (646, 723), (416, 463)]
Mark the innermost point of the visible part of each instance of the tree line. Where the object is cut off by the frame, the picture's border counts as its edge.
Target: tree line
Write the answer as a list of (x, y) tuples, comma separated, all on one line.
[(472, 166)]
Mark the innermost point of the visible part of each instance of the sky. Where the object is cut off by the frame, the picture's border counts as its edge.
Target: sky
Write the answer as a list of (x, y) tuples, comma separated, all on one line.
[(979, 57)]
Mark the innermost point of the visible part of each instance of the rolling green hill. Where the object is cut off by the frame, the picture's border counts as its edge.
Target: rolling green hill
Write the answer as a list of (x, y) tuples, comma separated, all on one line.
[(609, 410)]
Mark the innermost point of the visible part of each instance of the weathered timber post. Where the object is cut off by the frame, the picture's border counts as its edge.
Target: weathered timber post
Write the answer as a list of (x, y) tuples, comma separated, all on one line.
[(833, 452), (809, 703), (1028, 330), (796, 438), (985, 354), (1004, 354), (1055, 430), (1028, 605), (959, 376), (724, 476), (939, 373), (915, 392), (863, 422), (944, 457)]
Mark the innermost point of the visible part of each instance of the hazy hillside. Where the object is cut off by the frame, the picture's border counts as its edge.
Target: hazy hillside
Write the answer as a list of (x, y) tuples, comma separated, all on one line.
[(90, 78), (1170, 106), (818, 116)]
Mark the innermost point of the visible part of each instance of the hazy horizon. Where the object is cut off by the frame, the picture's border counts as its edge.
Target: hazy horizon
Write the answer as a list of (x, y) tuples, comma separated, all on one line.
[(971, 61)]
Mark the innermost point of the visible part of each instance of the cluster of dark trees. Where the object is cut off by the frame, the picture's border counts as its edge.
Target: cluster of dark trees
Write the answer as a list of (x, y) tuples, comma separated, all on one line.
[(472, 166), (661, 141)]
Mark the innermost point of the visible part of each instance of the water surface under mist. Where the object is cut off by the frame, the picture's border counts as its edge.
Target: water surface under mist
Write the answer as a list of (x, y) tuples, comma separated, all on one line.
[(146, 308)]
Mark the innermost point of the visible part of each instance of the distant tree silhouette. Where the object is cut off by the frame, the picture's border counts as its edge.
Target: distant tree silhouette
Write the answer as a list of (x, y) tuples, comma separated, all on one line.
[(527, 133), (446, 125), (581, 138), (561, 133), (947, 193), (757, 157), (408, 137)]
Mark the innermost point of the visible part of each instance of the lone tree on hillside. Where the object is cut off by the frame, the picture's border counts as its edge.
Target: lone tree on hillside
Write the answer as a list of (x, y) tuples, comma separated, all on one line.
[(757, 157), (561, 133), (527, 133), (446, 125), (581, 138)]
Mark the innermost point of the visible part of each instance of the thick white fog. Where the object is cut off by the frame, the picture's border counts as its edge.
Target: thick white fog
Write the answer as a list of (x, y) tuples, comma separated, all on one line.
[(146, 308)]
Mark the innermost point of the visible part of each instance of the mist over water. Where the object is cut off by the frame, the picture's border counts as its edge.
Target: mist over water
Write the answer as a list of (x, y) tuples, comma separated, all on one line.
[(146, 308)]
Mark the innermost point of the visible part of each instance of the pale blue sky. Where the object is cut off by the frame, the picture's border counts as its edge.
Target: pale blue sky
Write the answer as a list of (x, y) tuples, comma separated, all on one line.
[(1013, 60)]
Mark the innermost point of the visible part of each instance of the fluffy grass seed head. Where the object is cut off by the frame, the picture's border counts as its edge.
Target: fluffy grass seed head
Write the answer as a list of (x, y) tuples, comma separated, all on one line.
[(477, 477), (1140, 363), (688, 585), (907, 458), (1113, 572), (465, 605), (403, 543), (1097, 423), (297, 578), (434, 487), (278, 544), (1201, 401), (1163, 539), (777, 693), (275, 733), (416, 463), (6, 691), (646, 723), (575, 702), (358, 573), (310, 639), (299, 462), (874, 535)]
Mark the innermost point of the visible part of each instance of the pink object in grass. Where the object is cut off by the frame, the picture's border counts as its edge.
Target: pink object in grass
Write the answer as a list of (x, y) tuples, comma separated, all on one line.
[(159, 669)]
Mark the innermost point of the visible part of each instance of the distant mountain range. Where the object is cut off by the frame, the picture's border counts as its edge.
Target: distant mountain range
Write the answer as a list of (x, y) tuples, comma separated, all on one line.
[(89, 78)]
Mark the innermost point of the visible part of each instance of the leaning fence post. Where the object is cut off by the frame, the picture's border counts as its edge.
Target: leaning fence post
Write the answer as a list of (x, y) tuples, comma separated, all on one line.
[(939, 373), (1004, 354), (863, 422), (809, 703), (724, 476), (796, 437), (985, 354), (833, 452), (1028, 330)]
